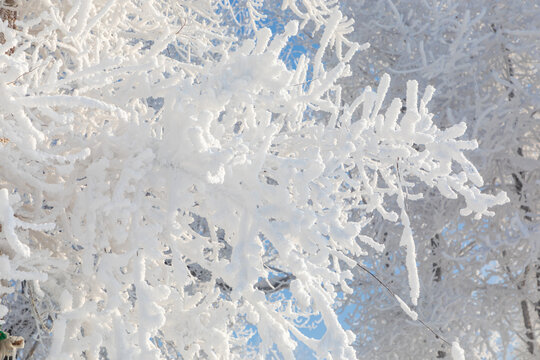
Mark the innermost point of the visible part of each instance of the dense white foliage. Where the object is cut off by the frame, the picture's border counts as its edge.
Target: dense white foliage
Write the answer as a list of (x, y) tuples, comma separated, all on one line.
[(162, 180)]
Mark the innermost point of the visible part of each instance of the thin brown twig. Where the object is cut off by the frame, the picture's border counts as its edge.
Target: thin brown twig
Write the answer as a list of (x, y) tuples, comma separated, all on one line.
[(184, 24), (20, 76), (438, 336), (304, 83)]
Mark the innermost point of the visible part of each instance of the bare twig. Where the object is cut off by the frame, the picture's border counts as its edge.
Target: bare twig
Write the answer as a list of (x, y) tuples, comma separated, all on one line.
[(20, 76), (438, 336), (184, 24), (305, 83)]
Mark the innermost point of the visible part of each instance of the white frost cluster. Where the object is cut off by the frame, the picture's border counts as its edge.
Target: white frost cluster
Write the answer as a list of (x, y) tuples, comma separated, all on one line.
[(457, 351)]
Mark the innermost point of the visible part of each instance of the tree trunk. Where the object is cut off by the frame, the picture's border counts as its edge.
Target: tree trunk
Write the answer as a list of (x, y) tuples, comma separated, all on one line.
[(528, 326), (437, 274), (537, 307), (529, 333), (518, 185), (526, 314)]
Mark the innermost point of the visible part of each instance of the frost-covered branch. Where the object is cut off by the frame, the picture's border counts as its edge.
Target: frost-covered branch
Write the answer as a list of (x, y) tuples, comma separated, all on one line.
[(163, 188)]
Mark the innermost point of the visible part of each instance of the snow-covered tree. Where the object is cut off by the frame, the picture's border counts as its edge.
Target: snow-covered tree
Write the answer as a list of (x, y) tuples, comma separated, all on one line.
[(171, 186), (481, 279)]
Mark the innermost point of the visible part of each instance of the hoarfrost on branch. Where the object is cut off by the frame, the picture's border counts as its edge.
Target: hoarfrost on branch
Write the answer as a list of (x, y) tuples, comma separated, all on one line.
[(162, 181)]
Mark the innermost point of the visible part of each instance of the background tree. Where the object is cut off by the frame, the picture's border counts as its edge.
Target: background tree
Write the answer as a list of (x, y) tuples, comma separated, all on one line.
[(482, 59)]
